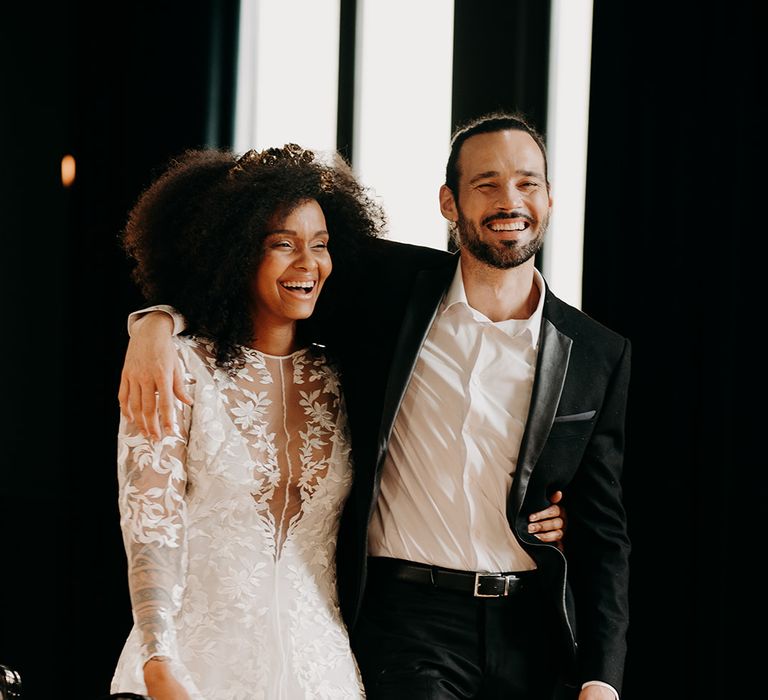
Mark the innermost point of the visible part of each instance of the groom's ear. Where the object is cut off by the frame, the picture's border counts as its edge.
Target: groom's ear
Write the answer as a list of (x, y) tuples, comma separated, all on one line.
[(448, 204)]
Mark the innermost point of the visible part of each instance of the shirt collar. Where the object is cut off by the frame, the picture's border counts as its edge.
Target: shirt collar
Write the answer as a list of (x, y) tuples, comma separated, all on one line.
[(457, 295)]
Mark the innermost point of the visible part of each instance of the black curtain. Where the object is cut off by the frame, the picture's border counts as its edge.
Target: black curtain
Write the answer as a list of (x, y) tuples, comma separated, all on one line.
[(674, 222), (123, 88), (500, 58)]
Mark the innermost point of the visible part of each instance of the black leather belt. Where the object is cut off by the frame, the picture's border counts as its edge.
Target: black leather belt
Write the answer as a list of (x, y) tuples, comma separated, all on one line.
[(477, 584)]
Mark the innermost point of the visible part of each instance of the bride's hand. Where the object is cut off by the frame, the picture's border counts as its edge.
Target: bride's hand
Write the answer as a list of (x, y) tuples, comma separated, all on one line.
[(161, 683)]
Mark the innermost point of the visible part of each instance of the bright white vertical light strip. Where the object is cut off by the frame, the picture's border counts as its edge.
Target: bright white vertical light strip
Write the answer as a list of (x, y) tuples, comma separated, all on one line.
[(403, 111), (245, 91), (567, 130), (288, 74)]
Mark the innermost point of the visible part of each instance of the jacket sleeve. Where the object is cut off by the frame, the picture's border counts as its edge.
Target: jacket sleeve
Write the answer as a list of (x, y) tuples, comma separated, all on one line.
[(597, 543), (179, 322)]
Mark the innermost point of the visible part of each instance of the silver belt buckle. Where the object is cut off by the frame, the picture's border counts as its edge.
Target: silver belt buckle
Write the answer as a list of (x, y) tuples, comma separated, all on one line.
[(490, 595)]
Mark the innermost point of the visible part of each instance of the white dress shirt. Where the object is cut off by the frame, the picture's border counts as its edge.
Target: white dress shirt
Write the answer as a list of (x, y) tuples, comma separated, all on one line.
[(454, 447)]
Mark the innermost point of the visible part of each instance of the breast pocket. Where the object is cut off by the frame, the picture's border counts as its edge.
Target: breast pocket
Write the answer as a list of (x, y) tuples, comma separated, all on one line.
[(572, 424)]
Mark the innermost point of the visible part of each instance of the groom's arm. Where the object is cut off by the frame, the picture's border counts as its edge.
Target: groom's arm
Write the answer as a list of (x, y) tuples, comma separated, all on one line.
[(151, 375)]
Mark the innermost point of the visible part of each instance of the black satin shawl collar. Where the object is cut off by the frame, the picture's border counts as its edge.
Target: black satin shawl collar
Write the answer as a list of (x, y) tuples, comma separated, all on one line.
[(551, 370)]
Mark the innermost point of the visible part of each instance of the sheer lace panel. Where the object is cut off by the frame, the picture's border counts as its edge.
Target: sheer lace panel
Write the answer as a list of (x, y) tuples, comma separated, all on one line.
[(286, 409)]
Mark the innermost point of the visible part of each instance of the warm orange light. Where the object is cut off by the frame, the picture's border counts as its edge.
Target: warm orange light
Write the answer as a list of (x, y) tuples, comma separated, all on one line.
[(67, 170)]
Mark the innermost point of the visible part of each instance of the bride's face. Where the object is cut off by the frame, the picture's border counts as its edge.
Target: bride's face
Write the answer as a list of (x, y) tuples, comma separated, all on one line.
[(294, 266)]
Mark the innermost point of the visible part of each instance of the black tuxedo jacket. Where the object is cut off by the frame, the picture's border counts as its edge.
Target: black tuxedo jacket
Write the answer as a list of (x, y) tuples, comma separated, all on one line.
[(376, 319)]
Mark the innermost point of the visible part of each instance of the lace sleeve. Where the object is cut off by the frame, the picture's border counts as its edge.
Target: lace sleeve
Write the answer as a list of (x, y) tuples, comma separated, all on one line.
[(152, 481)]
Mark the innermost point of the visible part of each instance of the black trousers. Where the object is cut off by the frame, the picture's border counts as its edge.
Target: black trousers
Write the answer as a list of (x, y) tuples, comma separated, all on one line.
[(418, 642)]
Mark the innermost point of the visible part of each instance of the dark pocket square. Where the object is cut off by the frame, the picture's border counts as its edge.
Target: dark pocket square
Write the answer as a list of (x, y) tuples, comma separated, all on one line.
[(572, 417)]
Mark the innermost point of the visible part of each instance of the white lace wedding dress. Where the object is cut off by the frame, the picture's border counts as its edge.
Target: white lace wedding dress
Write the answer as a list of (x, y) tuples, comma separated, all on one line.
[(230, 532)]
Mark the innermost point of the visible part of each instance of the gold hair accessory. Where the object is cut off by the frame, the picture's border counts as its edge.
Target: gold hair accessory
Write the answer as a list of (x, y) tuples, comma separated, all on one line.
[(326, 181), (291, 154)]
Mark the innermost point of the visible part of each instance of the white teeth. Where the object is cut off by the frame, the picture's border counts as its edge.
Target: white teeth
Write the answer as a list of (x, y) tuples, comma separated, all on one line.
[(509, 226), (298, 285)]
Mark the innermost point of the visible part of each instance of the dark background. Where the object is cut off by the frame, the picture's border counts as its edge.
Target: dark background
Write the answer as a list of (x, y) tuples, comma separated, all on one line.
[(673, 259)]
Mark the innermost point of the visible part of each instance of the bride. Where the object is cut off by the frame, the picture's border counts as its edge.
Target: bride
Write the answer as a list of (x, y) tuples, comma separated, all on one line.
[(230, 522)]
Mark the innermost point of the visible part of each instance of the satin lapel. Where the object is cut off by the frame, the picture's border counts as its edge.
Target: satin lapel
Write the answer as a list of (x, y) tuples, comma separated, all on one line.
[(428, 290), (551, 369)]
